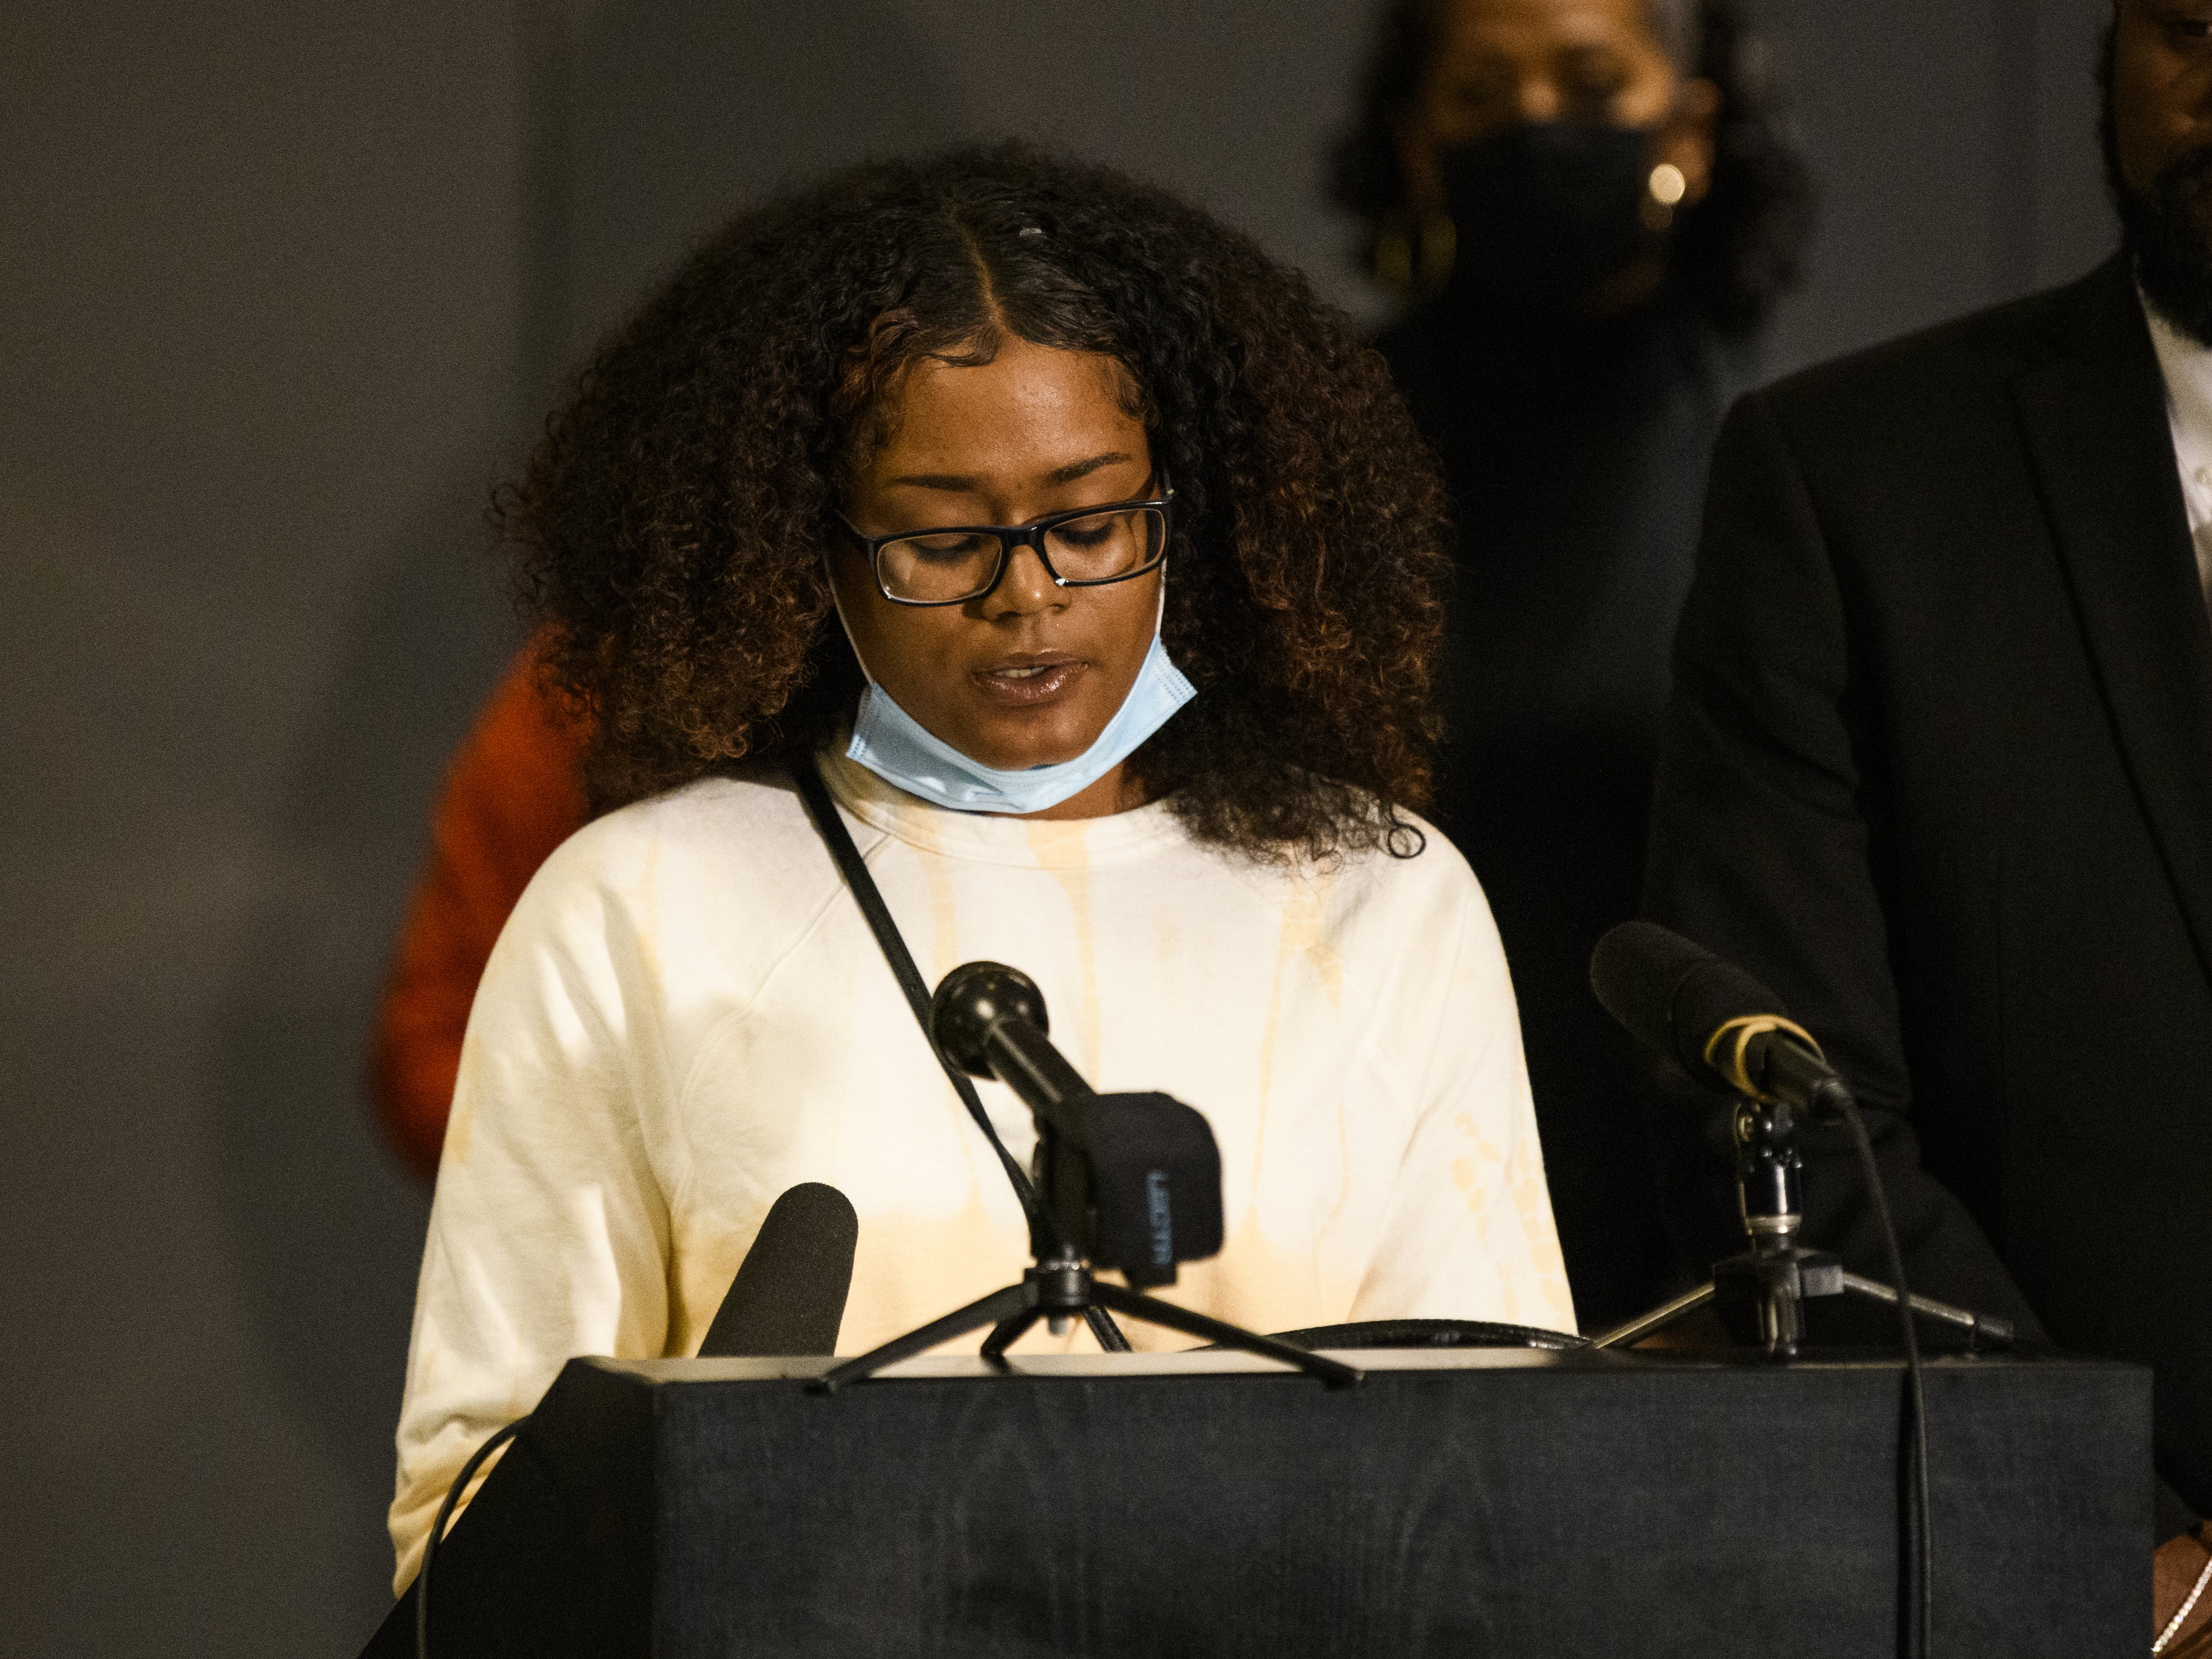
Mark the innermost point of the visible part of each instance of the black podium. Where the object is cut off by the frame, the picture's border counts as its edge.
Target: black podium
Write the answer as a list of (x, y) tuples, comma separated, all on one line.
[(1462, 1503)]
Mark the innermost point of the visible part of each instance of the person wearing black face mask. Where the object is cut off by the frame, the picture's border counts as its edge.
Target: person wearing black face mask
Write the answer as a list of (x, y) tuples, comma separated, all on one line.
[(1590, 206), (1545, 216)]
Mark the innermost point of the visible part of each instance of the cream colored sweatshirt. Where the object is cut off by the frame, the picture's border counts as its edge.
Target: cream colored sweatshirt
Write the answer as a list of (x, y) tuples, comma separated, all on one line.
[(687, 1014)]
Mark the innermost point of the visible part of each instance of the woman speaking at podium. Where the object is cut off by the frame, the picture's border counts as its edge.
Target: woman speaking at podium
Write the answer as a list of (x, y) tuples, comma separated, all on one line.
[(1094, 562)]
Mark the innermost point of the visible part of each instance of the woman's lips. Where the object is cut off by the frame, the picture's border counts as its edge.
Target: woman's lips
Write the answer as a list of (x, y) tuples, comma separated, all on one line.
[(1023, 682)]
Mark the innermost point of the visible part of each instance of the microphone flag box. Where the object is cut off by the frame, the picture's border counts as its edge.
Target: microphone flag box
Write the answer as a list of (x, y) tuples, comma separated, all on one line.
[(1144, 1192)]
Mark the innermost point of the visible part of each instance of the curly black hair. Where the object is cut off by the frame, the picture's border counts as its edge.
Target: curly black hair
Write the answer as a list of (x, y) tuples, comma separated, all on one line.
[(1736, 252), (669, 528)]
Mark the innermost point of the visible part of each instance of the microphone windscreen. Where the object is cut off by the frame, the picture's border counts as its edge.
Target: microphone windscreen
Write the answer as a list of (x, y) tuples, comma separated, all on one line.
[(1711, 995), (972, 998), (789, 1294), (1635, 971), (1672, 994)]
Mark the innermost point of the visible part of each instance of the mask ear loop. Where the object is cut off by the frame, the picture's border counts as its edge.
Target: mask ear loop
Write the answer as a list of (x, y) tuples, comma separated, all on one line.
[(845, 622)]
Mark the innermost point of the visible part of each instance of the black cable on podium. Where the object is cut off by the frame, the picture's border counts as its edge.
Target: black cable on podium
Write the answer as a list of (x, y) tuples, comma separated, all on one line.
[(1923, 1551), (438, 1530)]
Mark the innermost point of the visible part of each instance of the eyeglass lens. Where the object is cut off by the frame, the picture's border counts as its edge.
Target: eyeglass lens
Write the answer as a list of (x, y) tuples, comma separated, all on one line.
[(958, 564)]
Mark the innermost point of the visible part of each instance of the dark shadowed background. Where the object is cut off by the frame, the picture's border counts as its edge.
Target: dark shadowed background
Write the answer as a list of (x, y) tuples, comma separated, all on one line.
[(282, 289)]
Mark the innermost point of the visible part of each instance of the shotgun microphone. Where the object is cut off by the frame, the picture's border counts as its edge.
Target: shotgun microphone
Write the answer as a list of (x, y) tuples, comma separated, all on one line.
[(1712, 1019), (788, 1296)]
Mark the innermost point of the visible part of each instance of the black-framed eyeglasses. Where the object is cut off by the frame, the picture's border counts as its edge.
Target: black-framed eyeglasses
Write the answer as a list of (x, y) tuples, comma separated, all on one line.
[(1089, 547)]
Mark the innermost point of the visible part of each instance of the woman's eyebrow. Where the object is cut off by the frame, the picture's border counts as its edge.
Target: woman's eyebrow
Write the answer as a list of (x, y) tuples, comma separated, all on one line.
[(1079, 469), (958, 484)]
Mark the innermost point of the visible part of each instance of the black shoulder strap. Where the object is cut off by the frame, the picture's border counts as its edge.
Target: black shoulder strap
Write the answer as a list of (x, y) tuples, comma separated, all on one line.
[(1044, 1234), (823, 811)]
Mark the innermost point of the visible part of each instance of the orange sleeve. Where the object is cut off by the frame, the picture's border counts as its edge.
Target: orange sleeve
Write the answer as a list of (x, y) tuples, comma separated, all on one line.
[(511, 794)]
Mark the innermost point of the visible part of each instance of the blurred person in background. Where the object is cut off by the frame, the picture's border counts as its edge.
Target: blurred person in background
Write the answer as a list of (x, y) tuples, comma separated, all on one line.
[(1590, 208), (514, 793)]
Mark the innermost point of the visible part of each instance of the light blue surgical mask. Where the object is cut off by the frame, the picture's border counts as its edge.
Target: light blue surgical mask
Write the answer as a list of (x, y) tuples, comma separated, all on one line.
[(899, 749)]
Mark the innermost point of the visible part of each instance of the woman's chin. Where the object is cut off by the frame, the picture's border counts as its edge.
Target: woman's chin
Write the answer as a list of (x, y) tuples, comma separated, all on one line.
[(1017, 738), (1015, 745)]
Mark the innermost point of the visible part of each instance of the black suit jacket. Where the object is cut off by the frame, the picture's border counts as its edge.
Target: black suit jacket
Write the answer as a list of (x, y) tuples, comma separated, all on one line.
[(1938, 769)]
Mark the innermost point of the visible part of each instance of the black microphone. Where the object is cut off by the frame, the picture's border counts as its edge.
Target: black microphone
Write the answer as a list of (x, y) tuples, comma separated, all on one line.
[(1135, 1179), (990, 1022), (789, 1294), (1712, 1019)]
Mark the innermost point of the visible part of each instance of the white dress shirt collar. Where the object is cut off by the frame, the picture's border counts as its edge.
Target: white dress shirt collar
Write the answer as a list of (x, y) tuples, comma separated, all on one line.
[(2187, 366)]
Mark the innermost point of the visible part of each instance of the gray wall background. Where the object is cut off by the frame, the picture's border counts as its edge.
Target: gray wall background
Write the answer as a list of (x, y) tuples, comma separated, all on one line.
[(283, 288)]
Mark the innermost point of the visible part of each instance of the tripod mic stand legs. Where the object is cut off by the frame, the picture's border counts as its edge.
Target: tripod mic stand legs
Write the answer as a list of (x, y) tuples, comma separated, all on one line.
[(1058, 1285), (1067, 1287), (1814, 1275), (1979, 1327), (1658, 1319), (995, 1308), (1152, 1311)]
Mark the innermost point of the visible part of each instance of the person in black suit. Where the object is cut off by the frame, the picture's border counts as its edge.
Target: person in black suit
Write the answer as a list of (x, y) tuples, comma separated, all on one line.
[(1937, 768), (1593, 205)]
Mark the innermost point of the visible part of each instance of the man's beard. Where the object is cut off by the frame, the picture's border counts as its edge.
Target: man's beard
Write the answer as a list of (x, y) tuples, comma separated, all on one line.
[(2167, 228), (2169, 231)]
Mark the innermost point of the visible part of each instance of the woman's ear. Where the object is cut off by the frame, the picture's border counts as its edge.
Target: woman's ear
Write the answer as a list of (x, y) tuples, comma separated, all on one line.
[(1688, 138)]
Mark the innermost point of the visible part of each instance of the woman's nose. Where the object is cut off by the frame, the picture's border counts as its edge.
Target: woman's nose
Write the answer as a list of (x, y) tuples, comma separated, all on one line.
[(1026, 589), (1538, 97)]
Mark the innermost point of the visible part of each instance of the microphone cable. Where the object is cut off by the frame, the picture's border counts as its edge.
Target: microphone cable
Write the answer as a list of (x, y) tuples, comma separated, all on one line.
[(1921, 1572), (438, 1530)]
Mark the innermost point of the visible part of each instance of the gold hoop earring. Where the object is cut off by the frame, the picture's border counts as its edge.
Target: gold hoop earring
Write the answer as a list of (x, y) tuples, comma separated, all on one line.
[(1662, 194)]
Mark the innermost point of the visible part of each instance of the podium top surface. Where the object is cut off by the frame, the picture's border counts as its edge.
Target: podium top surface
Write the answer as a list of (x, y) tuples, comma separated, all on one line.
[(1210, 1362)]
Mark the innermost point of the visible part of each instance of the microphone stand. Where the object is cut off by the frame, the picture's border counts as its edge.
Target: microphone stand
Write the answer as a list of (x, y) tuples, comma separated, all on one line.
[(1058, 1287), (1768, 1285), (987, 1020)]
